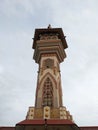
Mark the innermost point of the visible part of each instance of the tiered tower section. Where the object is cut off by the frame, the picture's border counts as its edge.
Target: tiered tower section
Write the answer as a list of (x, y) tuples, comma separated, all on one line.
[(49, 45)]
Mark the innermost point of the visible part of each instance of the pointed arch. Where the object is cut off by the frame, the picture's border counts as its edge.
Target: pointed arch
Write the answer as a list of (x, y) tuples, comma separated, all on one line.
[(41, 87), (51, 78)]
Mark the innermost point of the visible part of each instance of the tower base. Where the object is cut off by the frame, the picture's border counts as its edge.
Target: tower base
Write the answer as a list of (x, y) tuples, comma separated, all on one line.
[(48, 113), (61, 124)]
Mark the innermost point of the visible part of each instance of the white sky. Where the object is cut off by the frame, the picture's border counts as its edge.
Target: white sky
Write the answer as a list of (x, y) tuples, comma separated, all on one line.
[(79, 71)]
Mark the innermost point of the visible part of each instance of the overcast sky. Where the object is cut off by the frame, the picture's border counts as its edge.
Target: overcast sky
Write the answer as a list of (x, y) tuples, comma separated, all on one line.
[(79, 71)]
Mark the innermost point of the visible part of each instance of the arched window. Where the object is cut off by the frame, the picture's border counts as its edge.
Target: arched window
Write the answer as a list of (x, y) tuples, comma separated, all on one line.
[(48, 93)]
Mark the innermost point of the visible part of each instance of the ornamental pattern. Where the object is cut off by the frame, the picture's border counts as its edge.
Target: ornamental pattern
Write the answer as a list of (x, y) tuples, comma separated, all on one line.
[(48, 93), (48, 36)]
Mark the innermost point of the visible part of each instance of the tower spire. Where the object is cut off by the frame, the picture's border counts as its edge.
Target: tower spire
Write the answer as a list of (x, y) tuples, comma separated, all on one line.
[(49, 26)]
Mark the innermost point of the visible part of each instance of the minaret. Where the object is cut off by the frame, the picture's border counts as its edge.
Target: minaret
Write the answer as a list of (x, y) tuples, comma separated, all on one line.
[(48, 112), (49, 45)]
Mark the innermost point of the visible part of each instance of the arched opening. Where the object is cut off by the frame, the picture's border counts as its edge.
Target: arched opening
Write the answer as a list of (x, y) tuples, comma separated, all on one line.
[(48, 93)]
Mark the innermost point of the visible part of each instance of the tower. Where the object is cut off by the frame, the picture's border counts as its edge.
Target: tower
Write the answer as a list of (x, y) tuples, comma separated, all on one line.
[(48, 112), (49, 45)]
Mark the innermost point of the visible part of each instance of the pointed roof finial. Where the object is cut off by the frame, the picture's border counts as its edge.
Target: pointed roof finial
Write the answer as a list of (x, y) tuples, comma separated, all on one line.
[(49, 26)]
